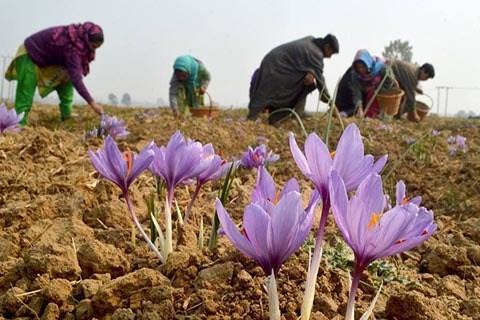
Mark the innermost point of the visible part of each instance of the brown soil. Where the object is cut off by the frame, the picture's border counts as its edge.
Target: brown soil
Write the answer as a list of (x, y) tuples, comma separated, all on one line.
[(65, 237)]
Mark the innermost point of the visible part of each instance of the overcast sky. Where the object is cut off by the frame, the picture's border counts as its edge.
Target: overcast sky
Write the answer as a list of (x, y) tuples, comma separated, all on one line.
[(143, 37)]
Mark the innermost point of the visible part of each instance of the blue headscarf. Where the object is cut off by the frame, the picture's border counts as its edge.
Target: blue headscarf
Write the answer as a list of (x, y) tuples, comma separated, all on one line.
[(374, 64), (189, 65)]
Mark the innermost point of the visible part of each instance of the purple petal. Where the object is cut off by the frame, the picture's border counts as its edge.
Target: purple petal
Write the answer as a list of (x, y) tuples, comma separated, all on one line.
[(231, 231), (319, 160), (265, 186), (291, 185), (256, 222), (298, 156), (339, 204), (284, 226), (140, 164), (400, 193)]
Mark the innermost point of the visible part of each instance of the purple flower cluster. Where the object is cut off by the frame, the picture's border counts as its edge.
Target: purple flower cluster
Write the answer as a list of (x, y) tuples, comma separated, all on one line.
[(456, 143), (255, 158), (9, 119), (109, 126)]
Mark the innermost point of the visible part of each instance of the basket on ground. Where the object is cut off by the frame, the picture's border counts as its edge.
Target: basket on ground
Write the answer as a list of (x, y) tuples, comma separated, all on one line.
[(422, 109), (207, 111), (390, 101)]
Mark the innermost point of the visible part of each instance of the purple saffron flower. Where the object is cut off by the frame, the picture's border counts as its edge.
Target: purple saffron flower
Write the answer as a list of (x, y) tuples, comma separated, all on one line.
[(401, 197), (435, 133), (371, 232), (349, 159), (273, 229), (451, 140), (461, 142), (177, 162), (213, 167), (351, 163), (254, 158), (121, 169), (9, 119), (110, 125)]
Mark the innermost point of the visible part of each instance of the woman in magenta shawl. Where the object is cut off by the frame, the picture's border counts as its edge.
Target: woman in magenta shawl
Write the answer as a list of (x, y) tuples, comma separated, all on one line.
[(56, 59)]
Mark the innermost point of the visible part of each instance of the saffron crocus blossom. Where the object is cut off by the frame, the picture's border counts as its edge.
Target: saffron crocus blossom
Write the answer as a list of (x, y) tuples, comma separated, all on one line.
[(401, 197), (274, 227), (435, 133), (456, 143), (122, 170), (451, 140), (254, 158), (461, 142), (9, 119), (177, 162), (352, 165), (110, 125), (212, 167), (371, 232)]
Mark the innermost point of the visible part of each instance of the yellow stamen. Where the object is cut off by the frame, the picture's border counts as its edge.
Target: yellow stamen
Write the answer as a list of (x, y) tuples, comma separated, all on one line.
[(129, 159), (277, 197), (405, 200), (374, 220), (332, 154)]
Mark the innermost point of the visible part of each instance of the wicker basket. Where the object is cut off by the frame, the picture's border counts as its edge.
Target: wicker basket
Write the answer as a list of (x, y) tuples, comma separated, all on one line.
[(207, 112), (390, 101), (422, 109)]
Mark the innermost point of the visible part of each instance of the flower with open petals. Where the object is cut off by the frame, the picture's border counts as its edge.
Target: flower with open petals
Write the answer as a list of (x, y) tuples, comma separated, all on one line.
[(273, 229), (112, 126), (9, 119), (212, 166), (401, 195), (371, 232), (121, 169), (177, 162), (254, 158), (349, 159)]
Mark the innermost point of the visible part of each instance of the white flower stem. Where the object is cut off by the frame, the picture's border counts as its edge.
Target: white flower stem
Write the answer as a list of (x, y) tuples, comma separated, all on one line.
[(350, 314), (312, 274), (131, 209), (168, 224), (273, 304)]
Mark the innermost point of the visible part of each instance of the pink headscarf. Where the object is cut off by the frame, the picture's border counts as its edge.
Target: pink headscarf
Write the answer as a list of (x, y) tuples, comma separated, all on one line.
[(76, 39)]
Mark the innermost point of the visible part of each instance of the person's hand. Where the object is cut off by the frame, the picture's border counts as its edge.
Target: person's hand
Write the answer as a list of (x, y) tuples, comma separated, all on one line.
[(309, 79), (97, 108), (203, 89)]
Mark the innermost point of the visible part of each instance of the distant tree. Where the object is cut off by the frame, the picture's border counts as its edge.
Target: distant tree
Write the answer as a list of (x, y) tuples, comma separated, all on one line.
[(112, 99), (126, 99), (398, 50), (471, 114), (461, 114)]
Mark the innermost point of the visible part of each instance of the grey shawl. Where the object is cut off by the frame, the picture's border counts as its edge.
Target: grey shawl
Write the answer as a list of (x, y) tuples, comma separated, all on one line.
[(282, 73)]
